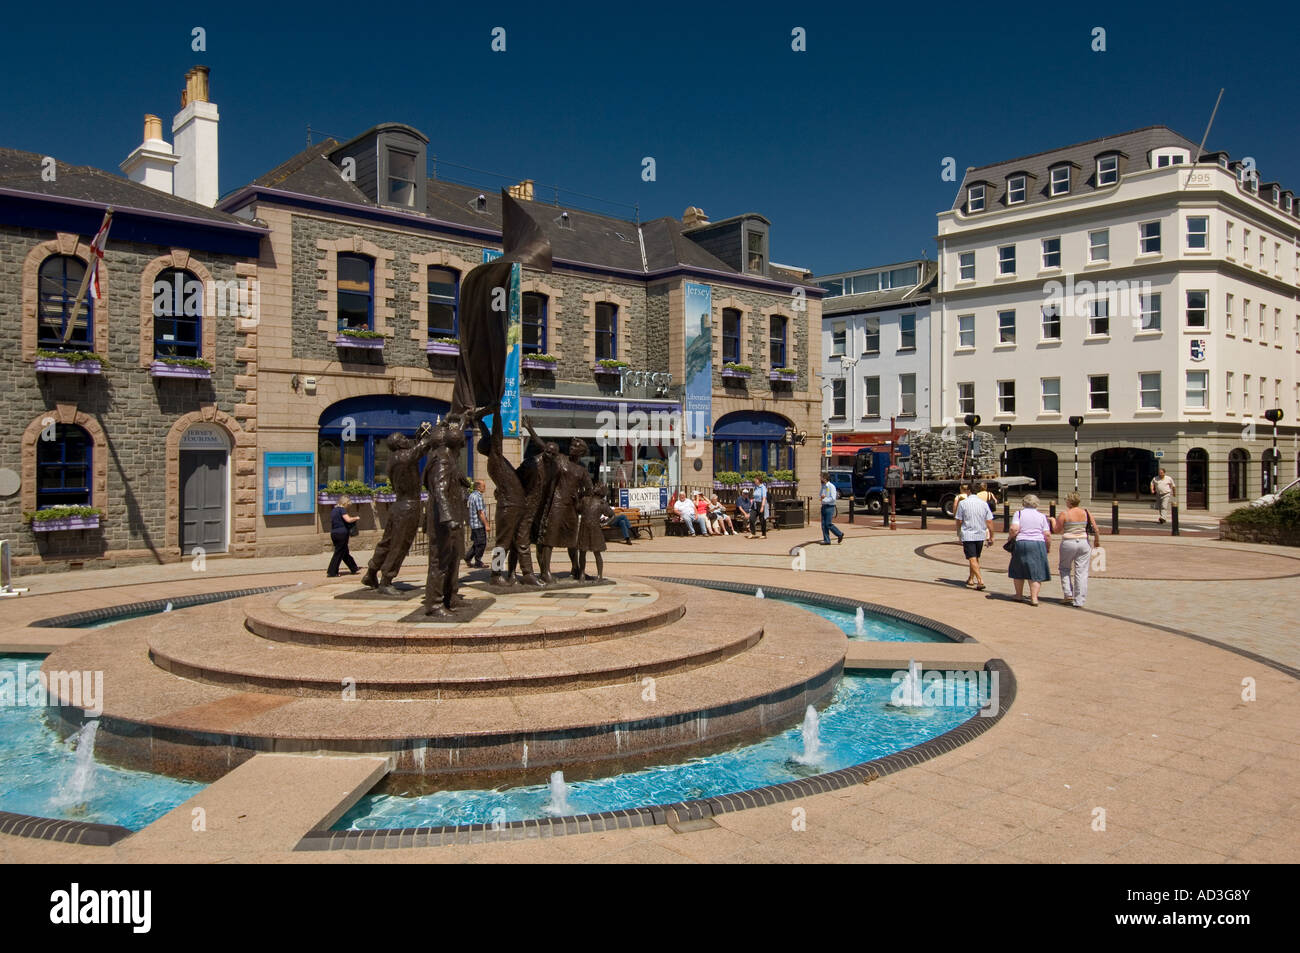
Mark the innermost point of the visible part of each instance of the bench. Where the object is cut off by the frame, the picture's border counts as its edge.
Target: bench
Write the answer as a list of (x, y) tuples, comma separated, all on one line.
[(638, 522)]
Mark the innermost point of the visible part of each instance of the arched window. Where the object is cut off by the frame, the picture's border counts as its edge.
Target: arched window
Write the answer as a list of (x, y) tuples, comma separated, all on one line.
[(444, 289), (751, 440), (366, 422), (63, 468), (777, 326), (60, 279), (1238, 461), (356, 292), (177, 314), (731, 336), (534, 307), (1268, 459), (606, 331)]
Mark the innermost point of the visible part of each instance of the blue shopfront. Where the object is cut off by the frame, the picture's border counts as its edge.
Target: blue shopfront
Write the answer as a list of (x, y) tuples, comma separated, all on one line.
[(353, 435), (751, 440)]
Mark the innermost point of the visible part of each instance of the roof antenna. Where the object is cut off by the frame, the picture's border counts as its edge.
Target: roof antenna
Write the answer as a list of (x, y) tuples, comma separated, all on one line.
[(308, 135), (1203, 138)]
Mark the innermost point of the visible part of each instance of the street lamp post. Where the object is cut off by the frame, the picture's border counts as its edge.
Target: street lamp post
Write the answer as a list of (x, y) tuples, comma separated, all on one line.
[(1006, 429), (1076, 423), (1274, 416), (972, 421)]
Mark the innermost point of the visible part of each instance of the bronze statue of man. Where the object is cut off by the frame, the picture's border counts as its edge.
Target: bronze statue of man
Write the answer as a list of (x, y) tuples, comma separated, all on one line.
[(560, 518), (514, 514), (404, 514), (445, 518)]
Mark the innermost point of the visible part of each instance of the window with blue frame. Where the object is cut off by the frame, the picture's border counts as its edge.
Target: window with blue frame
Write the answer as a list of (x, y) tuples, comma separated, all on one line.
[(356, 292), (606, 331), (59, 279), (731, 336), (178, 314), (444, 289), (533, 319), (777, 328), (63, 468), (751, 440), (367, 422)]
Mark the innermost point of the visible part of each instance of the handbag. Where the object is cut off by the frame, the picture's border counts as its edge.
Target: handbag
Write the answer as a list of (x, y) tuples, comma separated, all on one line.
[(353, 529), (1009, 546)]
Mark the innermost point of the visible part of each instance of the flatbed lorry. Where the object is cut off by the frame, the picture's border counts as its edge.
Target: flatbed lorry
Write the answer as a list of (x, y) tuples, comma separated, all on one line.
[(871, 465)]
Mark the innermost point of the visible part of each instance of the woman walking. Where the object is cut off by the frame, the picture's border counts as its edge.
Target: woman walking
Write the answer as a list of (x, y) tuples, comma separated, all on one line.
[(340, 521), (1074, 524), (1031, 536)]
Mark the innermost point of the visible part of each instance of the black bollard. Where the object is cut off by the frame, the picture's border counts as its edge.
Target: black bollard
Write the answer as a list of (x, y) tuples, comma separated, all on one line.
[(1114, 517), (850, 509), (923, 524), (884, 509), (1006, 517), (1173, 517)]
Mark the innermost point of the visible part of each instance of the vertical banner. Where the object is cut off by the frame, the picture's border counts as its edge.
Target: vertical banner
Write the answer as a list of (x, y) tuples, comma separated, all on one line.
[(699, 362), (514, 346), (510, 402)]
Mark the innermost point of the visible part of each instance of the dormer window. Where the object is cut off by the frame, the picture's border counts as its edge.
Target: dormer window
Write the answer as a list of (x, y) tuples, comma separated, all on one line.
[(1060, 180), (480, 203), (1015, 190), (1108, 170), (564, 221), (755, 257), (975, 198), (401, 178)]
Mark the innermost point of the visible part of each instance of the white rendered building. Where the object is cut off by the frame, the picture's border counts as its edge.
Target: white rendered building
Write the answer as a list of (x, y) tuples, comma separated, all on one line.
[(1114, 281), (875, 347)]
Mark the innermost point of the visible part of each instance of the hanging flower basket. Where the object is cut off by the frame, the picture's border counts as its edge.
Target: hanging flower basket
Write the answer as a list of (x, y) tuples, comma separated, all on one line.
[(197, 369)]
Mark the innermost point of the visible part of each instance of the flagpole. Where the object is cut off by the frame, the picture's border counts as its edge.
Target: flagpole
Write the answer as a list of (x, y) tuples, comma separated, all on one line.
[(91, 266), (1214, 112)]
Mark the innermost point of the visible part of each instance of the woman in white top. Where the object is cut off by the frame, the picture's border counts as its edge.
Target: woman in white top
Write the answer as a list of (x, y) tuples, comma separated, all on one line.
[(1031, 532)]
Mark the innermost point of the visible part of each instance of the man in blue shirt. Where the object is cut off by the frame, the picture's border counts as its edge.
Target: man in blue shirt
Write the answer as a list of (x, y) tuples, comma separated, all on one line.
[(829, 496), (478, 527), (759, 518)]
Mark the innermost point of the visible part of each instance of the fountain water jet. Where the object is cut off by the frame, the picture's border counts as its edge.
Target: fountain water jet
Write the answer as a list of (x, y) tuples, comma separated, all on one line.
[(558, 805), (77, 788), (860, 622), (907, 694), (812, 742), (758, 593)]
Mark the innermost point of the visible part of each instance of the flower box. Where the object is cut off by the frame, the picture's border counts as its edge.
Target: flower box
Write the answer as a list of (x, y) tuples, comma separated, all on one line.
[(736, 373), (616, 370), (329, 499), (445, 348), (529, 363), (61, 365), (166, 369), (785, 377), (385, 497), (351, 340), (67, 522)]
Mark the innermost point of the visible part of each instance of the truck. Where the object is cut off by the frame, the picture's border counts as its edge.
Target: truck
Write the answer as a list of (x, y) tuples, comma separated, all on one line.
[(871, 468)]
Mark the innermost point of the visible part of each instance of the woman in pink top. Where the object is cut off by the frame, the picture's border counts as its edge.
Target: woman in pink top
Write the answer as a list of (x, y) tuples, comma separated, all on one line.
[(1031, 534)]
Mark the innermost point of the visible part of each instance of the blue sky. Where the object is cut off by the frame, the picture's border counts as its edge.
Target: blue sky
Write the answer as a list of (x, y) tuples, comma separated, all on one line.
[(840, 146)]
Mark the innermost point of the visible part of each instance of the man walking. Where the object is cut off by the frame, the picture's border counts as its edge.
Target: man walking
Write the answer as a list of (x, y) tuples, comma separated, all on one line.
[(1163, 487), (478, 526), (758, 519), (829, 496), (974, 528)]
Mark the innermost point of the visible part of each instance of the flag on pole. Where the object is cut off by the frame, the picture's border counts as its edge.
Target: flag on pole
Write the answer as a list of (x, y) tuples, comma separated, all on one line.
[(97, 249), (91, 277)]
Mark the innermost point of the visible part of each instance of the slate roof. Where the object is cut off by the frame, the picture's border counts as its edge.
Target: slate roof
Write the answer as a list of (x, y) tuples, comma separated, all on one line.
[(21, 171), (877, 300), (1132, 146), (586, 237)]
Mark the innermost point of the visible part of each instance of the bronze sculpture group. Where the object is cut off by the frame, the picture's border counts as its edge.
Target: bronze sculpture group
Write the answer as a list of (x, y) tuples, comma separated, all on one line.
[(548, 500)]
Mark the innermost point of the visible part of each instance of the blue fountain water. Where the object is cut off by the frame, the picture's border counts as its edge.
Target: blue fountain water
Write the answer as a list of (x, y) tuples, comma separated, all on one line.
[(875, 628), (857, 726), (44, 776)]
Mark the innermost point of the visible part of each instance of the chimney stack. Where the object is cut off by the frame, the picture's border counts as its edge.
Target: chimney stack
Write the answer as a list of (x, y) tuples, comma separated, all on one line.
[(523, 191), (194, 131), (152, 162), (694, 216)]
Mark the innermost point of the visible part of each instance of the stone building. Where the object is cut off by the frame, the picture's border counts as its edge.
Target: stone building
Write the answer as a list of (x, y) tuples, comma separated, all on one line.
[(359, 279), (134, 404)]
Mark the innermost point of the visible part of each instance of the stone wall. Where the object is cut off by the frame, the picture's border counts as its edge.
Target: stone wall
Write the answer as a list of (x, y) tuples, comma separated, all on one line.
[(130, 413), (942, 457)]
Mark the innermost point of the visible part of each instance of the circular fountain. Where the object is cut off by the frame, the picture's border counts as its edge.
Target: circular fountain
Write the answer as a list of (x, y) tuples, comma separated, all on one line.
[(586, 680)]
